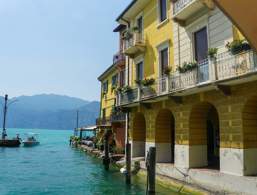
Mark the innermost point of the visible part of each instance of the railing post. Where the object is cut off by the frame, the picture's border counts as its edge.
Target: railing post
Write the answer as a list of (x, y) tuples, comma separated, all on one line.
[(212, 69), (139, 93), (167, 84)]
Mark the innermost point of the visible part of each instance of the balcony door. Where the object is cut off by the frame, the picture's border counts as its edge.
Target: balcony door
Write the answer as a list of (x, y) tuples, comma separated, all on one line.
[(201, 54), (201, 45), (139, 71), (140, 27)]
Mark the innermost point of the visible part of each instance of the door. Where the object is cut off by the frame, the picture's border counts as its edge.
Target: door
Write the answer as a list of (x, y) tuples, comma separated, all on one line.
[(201, 54), (201, 45)]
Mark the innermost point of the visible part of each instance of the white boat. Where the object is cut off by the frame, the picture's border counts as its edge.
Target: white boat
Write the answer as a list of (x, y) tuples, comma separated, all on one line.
[(31, 140)]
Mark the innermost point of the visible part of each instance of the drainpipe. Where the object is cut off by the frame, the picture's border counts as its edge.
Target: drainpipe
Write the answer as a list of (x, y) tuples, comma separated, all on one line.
[(128, 61)]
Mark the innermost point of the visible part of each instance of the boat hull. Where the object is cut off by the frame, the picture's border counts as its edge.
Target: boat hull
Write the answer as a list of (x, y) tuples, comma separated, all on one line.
[(10, 143), (30, 144)]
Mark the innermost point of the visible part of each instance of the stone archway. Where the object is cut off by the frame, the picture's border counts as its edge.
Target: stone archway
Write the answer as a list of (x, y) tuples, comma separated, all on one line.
[(138, 135), (165, 136), (204, 136)]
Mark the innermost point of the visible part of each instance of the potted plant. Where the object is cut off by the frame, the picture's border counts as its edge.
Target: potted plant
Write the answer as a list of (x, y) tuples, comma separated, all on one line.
[(167, 70), (148, 82), (238, 46), (126, 88), (138, 82), (128, 34), (187, 66), (212, 53)]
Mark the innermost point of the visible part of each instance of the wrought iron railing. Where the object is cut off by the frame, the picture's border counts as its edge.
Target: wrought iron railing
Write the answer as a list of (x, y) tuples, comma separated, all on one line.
[(103, 121), (229, 65), (118, 117), (129, 96), (224, 66), (179, 5)]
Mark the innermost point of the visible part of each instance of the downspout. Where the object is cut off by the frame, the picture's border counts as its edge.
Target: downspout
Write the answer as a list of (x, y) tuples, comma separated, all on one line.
[(128, 61)]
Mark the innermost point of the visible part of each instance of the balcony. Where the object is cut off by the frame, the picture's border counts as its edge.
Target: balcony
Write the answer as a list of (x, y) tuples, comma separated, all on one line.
[(185, 9), (119, 59), (134, 45), (103, 122), (226, 69), (118, 117)]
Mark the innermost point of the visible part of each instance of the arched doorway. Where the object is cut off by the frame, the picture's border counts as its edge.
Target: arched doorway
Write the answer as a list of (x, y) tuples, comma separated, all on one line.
[(204, 136), (165, 136), (138, 135)]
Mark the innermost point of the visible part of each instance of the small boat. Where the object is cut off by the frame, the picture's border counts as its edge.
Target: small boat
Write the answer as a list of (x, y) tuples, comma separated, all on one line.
[(31, 140)]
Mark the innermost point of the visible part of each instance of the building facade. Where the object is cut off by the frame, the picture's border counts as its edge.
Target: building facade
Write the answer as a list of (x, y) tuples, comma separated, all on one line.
[(111, 118), (190, 86)]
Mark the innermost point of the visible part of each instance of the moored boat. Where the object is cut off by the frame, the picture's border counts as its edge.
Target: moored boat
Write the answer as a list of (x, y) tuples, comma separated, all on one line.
[(31, 140), (10, 143)]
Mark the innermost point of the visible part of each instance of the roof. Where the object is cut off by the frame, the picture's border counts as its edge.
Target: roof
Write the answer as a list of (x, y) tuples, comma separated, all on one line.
[(88, 128), (106, 72), (119, 28), (126, 9)]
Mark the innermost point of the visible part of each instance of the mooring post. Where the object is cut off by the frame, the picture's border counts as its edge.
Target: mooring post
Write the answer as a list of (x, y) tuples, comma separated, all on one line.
[(106, 159), (128, 152), (128, 163), (150, 165)]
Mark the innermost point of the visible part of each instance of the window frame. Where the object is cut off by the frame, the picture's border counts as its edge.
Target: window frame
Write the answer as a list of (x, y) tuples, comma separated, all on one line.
[(159, 7), (160, 48)]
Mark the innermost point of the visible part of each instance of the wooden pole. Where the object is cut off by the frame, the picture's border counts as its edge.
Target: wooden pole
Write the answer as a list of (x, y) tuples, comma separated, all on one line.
[(106, 159), (150, 164), (128, 152), (5, 112)]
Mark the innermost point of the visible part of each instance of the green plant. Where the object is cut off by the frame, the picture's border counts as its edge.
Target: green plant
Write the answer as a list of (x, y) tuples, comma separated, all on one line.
[(238, 46), (126, 88), (148, 82), (187, 66), (212, 52), (138, 82), (167, 70)]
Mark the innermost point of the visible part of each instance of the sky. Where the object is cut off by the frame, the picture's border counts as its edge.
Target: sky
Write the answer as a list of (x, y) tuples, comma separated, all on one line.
[(56, 46)]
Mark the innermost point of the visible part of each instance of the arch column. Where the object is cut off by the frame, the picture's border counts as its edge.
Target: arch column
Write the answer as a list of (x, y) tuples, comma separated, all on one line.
[(138, 135), (165, 136)]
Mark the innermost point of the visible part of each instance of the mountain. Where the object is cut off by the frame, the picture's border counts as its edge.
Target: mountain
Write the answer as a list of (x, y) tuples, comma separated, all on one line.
[(50, 111)]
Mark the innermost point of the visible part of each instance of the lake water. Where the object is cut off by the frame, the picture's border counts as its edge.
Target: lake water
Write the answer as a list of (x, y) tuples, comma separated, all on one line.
[(56, 169)]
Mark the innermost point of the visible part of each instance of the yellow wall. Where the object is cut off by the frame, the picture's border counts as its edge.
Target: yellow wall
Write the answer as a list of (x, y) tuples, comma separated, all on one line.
[(108, 100), (154, 35)]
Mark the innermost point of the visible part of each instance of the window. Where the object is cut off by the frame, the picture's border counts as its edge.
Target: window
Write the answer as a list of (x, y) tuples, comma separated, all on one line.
[(201, 45), (104, 113), (164, 61), (114, 80), (105, 87), (122, 78), (139, 71), (140, 26), (162, 10)]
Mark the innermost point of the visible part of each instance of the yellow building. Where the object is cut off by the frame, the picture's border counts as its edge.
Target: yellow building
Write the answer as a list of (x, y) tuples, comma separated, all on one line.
[(112, 79), (191, 86)]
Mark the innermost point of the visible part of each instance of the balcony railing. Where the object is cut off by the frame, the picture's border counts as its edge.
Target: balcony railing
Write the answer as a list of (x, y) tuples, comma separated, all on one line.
[(134, 45), (103, 121), (119, 58), (118, 117), (229, 66), (225, 66), (185, 9), (180, 5)]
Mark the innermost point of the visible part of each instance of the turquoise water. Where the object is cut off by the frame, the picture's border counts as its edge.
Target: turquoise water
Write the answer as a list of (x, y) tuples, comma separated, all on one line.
[(56, 169)]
